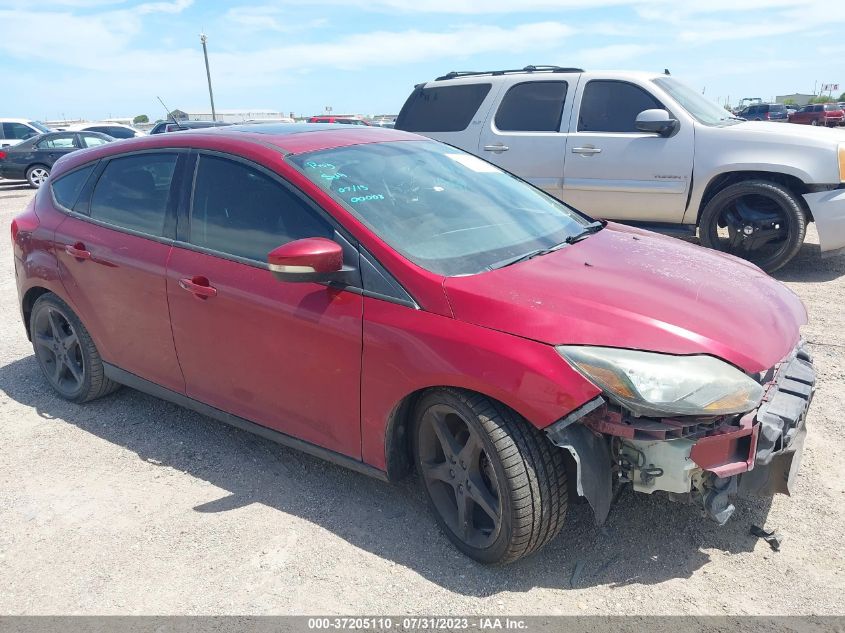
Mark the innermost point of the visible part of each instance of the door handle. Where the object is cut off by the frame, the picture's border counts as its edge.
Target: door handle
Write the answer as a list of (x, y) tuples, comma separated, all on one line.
[(199, 286), (496, 148), (586, 150), (78, 251)]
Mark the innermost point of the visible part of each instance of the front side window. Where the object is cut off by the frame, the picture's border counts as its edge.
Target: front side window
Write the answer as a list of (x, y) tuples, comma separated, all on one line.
[(441, 108), (445, 210), (18, 131), (92, 141), (613, 106), (241, 211), (66, 189), (534, 106), (60, 141), (133, 192)]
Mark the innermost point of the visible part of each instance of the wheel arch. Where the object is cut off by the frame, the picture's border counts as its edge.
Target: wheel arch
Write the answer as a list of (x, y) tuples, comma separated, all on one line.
[(29, 298), (398, 450), (725, 179)]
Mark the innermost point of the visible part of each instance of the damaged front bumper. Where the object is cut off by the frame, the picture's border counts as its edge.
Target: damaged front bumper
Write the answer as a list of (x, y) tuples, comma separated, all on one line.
[(703, 460)]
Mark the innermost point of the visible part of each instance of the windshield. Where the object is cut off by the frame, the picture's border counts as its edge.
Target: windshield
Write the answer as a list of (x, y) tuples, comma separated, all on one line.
[(445, 210), (700, 108), (38, 125)]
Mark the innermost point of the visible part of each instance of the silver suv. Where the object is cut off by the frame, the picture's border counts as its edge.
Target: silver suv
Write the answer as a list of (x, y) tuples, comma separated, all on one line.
[(646, 149)]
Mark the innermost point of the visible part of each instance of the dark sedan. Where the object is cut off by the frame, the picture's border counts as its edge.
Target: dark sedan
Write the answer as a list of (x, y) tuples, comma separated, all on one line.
[(33, 159), (178, 126)]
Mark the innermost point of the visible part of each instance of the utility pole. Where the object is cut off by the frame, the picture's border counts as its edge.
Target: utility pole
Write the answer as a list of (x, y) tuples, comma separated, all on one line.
[(204, 39)]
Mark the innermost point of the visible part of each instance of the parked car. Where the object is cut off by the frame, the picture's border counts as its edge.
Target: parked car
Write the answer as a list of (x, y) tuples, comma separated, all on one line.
[(14, 131), (388, 302), (115, 130), (178, 126), (345, 120), (33, 159), (286, 119), (620, 146), (829, 114), (764, 112)]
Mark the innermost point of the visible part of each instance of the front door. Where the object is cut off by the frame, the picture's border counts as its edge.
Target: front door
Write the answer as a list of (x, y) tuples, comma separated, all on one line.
[(284, 355), (615, 172), (526, 135)]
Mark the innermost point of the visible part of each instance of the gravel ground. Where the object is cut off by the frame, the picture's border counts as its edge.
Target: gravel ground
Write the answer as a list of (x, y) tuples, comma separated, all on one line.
[(131, 505)]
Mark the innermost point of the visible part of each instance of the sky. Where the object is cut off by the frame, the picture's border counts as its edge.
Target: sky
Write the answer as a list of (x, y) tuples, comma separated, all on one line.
[(108, 58)]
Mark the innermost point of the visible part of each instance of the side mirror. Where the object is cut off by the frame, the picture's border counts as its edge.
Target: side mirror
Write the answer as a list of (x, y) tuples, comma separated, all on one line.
[(657, 121), (313, 259)]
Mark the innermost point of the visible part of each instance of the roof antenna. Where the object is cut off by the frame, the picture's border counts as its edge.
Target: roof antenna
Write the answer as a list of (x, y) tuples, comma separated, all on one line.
[(666, 71), (169, 113)]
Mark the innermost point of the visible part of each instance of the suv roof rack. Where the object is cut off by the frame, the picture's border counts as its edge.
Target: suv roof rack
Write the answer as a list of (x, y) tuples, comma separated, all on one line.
[(528, 69)]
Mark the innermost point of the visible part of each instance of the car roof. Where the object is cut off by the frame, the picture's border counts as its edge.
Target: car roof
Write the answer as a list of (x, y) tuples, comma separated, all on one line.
[(281, 138)]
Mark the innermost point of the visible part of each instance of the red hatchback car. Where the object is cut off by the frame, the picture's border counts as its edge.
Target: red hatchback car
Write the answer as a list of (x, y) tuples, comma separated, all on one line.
[(393, 304)]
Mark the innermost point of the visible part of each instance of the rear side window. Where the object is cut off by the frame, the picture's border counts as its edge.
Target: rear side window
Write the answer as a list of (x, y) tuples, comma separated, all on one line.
[(441, 108), (613, 106), (534, 106), (240, 211), (133, 191), (18, 131), (60, 141), (66, 189), (92, 141)]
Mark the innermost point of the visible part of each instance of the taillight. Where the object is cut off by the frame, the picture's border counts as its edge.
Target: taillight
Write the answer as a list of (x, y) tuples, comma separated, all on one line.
[(26, 222), (766, 116), (2, 155)]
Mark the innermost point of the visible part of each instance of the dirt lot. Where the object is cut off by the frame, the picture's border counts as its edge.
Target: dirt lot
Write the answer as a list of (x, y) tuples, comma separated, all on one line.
[(132, 505)]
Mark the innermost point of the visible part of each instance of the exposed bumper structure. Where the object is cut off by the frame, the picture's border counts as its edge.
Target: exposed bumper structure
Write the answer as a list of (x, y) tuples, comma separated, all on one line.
[(828, 209), (696, 459)]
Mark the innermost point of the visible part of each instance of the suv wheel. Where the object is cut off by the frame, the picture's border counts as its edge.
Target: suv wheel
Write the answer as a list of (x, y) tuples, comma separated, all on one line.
[(496, 484), (66, 353), (758, 220)]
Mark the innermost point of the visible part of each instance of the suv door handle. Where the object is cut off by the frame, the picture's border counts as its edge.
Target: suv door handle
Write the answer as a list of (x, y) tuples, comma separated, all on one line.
[(496, 148), (199, 286), (78, 251), (586, 150)]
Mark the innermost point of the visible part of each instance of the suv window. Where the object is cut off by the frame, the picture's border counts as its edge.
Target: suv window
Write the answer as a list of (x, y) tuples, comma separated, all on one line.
[(754, 110), (441, 108), (18, 131), (60, 141), (238, 210), (133, 191), (66, 189), (777, 108), (534, 106), (613, 106), (830, 107)]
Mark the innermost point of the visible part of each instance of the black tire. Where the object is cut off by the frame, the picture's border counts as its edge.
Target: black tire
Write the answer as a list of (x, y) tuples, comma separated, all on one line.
[(36, 175), (65, 352), (771, 213), (516, 472)]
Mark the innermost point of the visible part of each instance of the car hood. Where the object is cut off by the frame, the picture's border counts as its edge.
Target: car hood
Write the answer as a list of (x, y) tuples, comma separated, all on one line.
[(623, 287)]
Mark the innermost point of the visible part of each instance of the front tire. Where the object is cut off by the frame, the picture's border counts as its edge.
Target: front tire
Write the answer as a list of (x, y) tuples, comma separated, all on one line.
[(66, 353), (758, 220), (497, 486), (37, 175)]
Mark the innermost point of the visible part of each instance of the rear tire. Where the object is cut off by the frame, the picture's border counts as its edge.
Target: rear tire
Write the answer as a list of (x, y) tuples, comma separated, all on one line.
[(65, 352), (36, 175), (768, 210), (474, 453)]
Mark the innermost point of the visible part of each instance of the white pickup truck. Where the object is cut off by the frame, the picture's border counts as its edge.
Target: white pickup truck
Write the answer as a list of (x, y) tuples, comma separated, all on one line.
[(646, 149)]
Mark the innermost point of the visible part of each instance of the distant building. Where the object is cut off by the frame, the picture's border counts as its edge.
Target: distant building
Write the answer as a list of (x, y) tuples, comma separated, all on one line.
[(798, 99), (229, 116)]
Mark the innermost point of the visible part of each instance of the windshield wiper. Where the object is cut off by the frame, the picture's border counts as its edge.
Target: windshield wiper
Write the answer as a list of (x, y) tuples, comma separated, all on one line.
[(589, 229)]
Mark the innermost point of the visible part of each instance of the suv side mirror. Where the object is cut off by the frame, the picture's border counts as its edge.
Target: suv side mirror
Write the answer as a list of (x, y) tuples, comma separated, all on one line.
[(313, 259), (657, 121)]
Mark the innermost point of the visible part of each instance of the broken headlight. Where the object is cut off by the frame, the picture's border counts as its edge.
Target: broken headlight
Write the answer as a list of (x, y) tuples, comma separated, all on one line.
[(654, 384)]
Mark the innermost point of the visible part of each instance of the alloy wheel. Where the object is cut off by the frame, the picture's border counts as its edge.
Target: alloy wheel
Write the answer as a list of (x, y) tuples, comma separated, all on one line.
[(58, 350), (459, 476), (753, 227), (38, 176)]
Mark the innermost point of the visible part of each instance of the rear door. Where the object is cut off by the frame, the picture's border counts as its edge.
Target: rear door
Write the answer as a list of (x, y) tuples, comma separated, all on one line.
[(47, 151), (284, 355), (527, 133), (616, 172), (112, 251)]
